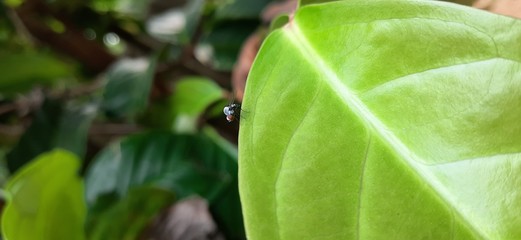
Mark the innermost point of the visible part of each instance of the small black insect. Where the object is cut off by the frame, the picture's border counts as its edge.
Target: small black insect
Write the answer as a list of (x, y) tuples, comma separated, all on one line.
[(232, 112)]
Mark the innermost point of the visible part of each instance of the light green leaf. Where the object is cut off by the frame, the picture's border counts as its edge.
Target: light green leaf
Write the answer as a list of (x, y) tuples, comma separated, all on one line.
[(46, 200), (192, 95), (384, 120)]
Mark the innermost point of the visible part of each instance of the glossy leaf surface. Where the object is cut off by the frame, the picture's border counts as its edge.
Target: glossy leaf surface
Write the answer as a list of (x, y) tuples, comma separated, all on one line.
[(128, 87), (184, 164), (46, 200), (384, 120)]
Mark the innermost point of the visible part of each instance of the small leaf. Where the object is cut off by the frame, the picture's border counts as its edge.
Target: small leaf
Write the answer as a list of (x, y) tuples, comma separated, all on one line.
[(46, 200), (192, 95)]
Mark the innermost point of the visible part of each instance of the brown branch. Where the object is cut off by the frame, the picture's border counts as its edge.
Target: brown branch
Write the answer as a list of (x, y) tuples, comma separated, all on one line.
[(71, 43)]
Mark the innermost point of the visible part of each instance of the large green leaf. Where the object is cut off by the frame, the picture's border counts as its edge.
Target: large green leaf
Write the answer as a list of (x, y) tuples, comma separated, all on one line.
[(384, 120), (184, 164), (46, 200)]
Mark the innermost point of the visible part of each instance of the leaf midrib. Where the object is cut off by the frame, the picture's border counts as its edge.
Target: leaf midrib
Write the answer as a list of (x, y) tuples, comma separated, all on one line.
[(295, 35)]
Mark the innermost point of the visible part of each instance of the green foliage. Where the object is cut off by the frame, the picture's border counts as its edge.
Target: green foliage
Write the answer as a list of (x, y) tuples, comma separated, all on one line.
[(21, 71), (279, 22), (191, 97), (54, 126), (224, 41), (128, 87), (127, 218), (46, 200), (355, 122), (138, 62), (384, 120), (178, 25), (183, 164), (237, 9), (193, 94)]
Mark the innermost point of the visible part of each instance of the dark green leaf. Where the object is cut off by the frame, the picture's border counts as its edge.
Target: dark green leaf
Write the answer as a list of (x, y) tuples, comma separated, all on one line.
[(220, 47), (128, 87), (54, 125), (46, 200), (22, 71), (240, 9), (184, 164), (127, 218)]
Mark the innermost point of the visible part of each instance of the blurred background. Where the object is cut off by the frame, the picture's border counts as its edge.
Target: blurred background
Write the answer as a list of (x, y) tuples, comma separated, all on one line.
[(134, 90)]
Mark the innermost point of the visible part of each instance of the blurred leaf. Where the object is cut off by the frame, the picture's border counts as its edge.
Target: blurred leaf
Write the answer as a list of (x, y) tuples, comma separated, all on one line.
[(74, 128), (127, 218), (192, 95), (220, 47), (176, 25), (239, 9), (216, 110), (128, 87), (13, 3), (22, 71), (54, 125), (46, 200), (185, 164), (131, 8)]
